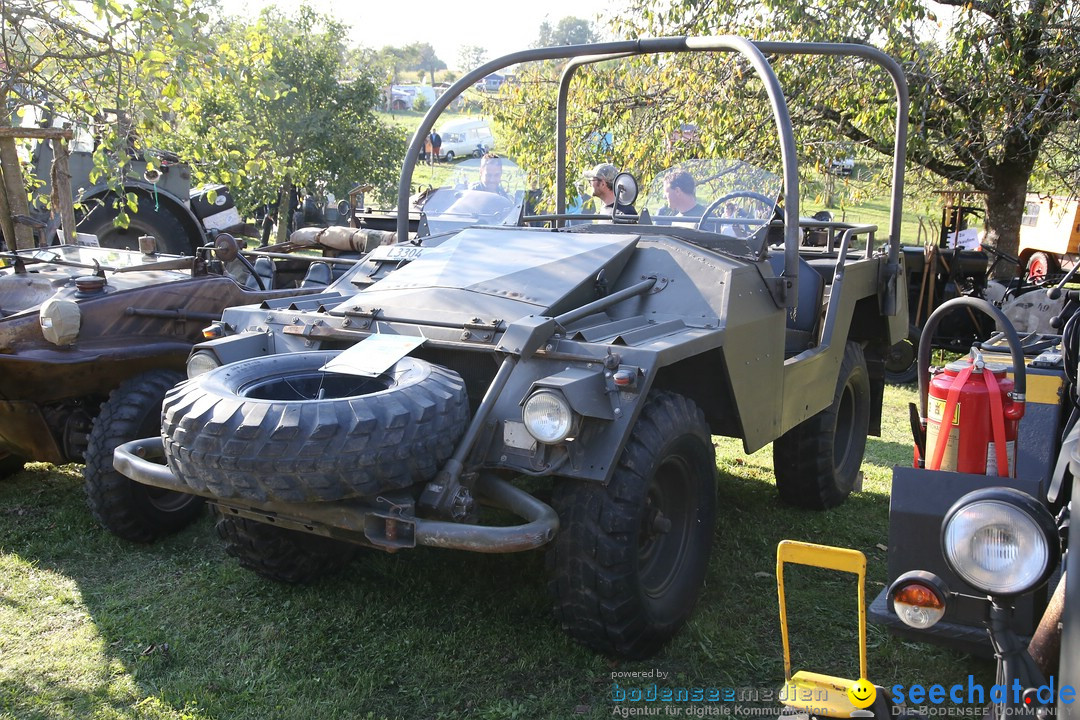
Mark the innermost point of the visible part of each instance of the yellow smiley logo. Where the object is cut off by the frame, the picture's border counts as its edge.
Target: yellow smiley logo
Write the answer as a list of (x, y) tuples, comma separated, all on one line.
[(862, 693)]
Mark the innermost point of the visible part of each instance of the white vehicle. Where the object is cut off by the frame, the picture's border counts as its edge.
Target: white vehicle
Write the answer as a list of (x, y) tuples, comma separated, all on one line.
[(462, 138)]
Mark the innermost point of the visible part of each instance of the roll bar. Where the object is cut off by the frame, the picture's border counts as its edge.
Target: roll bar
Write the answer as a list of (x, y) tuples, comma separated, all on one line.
[(755, 53)]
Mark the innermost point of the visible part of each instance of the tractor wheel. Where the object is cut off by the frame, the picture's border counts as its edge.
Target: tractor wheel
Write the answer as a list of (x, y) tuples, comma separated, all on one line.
[(126, 508), (817, 462), (279, 428), (1040, 266), (287, 556), (162, 224), (629, 560)]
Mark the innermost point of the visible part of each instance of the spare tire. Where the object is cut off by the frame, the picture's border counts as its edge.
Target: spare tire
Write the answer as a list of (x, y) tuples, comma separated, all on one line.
[(278, 428)]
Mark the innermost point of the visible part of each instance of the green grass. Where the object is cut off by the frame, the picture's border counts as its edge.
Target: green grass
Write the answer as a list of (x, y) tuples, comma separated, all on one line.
[(94, 627)]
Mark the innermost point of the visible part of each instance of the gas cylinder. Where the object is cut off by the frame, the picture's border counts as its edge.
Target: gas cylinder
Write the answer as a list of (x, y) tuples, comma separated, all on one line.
[(972, 418)]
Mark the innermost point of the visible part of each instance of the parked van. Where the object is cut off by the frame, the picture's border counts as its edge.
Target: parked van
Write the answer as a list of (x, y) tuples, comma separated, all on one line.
[(462, 138)]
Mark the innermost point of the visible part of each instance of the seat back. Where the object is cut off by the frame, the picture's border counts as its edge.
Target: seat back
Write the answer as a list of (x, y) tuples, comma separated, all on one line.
[(264, 269), (318, 275)]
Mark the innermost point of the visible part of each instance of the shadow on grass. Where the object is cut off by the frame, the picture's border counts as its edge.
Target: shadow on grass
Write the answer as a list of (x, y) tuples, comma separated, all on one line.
[(95, 626)]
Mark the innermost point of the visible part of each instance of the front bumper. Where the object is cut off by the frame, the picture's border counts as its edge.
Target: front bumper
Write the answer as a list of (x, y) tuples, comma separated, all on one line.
[(357, 521)]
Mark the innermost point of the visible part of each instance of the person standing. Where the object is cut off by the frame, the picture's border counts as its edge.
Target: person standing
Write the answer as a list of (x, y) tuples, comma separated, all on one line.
[(602, 178), (436, 147)]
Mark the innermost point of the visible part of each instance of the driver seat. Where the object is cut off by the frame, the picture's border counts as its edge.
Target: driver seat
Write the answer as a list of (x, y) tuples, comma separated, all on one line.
[(803, 319)]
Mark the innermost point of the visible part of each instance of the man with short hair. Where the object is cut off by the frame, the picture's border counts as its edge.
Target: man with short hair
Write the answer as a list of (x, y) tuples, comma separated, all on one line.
[(491, 171), (602, 178), (680, 191)]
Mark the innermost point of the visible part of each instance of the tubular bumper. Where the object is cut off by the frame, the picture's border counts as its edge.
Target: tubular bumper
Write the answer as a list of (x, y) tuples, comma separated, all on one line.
[(142, 461)]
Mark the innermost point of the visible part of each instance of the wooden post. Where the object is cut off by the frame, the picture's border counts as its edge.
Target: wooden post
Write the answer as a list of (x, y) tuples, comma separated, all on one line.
[(61, 195), (7, 226), (12, 194), (16, 194)]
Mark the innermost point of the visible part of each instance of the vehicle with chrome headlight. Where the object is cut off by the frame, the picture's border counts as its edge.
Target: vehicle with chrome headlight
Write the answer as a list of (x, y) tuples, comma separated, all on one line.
[(593, 354), (91, 338)]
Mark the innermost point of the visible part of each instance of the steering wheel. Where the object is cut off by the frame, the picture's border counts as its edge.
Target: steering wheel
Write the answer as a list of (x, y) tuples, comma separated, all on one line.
[(227, 249), (767, 202)]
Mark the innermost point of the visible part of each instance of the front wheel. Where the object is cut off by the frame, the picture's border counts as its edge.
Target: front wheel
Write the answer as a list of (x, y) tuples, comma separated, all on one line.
[(817, 462), (128, 509), (283, 555), (449, 156), (630, 557)]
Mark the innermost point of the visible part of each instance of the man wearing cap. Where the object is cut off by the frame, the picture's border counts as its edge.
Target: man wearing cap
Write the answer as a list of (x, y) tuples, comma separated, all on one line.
[(602, 178)]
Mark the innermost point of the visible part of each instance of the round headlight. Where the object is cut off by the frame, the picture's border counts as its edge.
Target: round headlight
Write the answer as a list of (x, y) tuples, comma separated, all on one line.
[(1000, 541), (547, 416), (201, 362), (60, 320)]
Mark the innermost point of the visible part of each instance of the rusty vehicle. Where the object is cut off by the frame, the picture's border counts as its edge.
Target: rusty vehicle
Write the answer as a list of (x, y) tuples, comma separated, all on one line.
[(569, 369), (91, 338)]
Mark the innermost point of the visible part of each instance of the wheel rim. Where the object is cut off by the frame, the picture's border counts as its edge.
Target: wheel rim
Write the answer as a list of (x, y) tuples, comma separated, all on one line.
[(1038, 267), (313, 385), (666, 526), (901, 357)]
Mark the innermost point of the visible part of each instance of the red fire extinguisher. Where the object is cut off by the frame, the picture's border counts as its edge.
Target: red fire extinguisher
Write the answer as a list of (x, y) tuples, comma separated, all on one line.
[(972, 419), (970, 410)]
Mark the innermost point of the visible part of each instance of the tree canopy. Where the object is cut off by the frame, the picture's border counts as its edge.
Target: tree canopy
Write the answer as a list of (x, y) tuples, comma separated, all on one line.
[(116, 70), (276, 110), (567, 31), (993, 84)]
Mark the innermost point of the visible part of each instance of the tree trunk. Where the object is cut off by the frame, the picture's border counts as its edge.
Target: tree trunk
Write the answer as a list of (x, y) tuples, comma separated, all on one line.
[(1004, 211), (284, 213)]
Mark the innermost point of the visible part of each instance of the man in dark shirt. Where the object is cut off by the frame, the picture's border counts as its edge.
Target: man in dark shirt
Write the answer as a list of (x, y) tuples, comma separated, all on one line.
[(680, 191)]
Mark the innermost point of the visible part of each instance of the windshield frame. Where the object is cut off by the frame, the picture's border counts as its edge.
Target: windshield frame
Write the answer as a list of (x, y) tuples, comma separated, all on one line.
[(754, 53)]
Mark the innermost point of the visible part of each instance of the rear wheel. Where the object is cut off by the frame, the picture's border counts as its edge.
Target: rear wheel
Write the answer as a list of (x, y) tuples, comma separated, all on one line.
[(630, 557), (817, 462), (449, 156), (128, 509), (161, 223), (901, 366)]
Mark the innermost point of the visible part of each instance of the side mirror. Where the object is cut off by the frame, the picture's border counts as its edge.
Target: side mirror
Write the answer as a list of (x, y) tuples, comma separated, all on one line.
[(626, 188)]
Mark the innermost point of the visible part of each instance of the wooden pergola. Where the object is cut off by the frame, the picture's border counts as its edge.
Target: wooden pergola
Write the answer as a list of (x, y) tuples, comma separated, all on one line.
[(18, 233)]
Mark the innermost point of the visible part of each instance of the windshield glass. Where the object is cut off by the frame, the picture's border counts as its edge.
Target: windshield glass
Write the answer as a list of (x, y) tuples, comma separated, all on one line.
[(721, 195), (480, 192)]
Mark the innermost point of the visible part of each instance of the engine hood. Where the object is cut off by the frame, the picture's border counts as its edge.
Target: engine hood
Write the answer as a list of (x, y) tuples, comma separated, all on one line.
[(498, 273)]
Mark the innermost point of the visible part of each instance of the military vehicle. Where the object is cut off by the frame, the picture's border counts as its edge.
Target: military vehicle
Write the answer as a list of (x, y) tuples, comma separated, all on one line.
[(90, 340), (568, 369)]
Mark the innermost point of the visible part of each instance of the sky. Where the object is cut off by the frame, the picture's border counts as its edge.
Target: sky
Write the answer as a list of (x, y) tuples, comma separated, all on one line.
[(500, 27)]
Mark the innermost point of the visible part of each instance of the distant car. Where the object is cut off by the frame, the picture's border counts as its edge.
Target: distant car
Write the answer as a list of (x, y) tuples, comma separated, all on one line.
[(841, 166)]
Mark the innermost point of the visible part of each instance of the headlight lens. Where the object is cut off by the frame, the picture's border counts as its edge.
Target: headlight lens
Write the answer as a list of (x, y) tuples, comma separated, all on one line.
[(60, 320), (1000, 542), (918, 598), (201, 362), (548, 417)]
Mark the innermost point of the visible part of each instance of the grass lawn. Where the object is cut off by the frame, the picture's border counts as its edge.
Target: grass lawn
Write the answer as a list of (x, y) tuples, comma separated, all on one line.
[(94, 627)]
